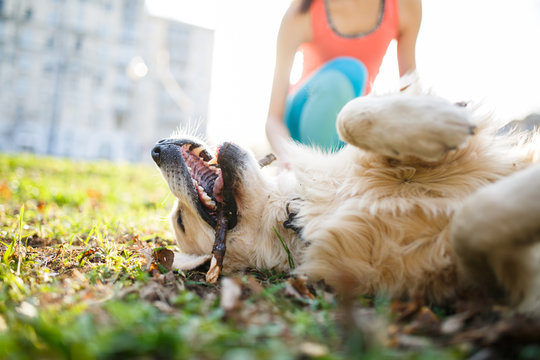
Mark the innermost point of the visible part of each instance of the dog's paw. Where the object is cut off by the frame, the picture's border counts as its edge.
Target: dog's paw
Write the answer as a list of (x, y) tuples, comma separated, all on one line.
[(401, 126)]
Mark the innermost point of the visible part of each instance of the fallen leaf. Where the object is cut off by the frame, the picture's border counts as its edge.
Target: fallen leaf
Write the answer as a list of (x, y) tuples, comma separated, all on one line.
[(424, 322), (41, 206), (455, 323), (3, 325), (4, 191), (162, 287), (231, 291), (94, 196), (297, 287), (165, 257), (405, 309), (164, 307), (86, 254), (254, 285), (154, 270), (27, 309), (312, 349), (415, 342), (506, 331)]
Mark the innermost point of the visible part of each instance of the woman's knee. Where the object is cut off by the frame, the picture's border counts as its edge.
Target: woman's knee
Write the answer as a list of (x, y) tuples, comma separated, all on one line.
[(353, 69)]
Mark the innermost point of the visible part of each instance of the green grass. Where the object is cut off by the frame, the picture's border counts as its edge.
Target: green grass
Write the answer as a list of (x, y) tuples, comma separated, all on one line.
[(74, 283)]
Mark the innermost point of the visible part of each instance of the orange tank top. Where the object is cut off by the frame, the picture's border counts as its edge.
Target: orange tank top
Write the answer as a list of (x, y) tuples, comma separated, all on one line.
[(369, 47)]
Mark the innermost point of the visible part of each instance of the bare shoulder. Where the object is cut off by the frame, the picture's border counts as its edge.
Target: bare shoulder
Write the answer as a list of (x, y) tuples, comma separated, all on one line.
[(295, 24), (410, 13)]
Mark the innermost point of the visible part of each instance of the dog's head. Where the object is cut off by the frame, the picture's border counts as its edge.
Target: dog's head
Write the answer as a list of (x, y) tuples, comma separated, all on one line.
[(206, 186)]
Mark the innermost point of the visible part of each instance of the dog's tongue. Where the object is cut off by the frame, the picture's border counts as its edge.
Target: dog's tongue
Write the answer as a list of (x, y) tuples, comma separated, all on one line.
[(218, 251), (218, 189)]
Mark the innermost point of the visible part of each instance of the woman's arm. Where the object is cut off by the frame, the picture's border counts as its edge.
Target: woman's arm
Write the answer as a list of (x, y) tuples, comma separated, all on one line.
[(292, 33), (410, 17)]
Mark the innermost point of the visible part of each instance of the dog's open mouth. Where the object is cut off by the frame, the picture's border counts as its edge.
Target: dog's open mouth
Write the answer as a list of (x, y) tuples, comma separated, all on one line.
[(205, 175), (209, 182)]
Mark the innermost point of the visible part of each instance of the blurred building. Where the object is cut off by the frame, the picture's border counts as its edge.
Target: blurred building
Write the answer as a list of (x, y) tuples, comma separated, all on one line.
[(98, 78)]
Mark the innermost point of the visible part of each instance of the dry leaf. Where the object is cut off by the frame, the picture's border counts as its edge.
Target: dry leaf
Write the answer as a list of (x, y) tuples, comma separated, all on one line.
[(27, 309), (406, 309), (514, 329), (164, 257), (86, 254), (164, 307), (453, 324), (424, 322), (254, 285), (312, 349), (3, 325), (231, 291), (297, 287), (415, 342), (154, 270), (161, 288), (5, 192)]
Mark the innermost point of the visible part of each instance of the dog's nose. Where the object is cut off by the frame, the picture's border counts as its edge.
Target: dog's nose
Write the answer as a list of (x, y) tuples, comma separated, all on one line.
[(156, 153)]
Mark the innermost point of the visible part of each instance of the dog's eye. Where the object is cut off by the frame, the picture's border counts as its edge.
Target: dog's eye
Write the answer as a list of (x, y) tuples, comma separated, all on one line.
[(179, 222)]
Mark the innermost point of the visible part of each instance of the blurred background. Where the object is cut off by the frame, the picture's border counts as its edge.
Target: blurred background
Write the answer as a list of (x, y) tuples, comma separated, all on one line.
[(105, 79)]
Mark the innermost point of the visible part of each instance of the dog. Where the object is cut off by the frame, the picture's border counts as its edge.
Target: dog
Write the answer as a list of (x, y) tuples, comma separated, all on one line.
[(424, 199)]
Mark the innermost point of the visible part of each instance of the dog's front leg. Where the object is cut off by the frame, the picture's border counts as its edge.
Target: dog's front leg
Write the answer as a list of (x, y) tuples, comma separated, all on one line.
[(401, 126), (496, 237)]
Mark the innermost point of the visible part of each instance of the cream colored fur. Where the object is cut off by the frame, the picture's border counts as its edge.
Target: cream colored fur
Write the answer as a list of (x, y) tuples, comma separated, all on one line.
[(416, 204)]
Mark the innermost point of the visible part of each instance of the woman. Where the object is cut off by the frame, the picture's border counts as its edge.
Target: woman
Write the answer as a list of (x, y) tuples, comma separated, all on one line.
[(343, 43)]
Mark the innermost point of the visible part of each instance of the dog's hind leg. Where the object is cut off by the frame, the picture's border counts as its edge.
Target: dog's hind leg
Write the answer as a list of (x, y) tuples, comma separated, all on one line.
[(496, 237), (402, 126)]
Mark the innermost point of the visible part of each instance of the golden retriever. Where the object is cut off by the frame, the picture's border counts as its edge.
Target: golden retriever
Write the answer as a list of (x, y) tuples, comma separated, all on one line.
[(423, 199)]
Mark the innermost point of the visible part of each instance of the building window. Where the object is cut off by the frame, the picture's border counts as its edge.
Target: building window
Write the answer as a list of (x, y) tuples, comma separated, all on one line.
[(120, 119), (53, 19), (130, 11), (49, 67), (78, 43), (98, 80), (28, 14), (50, 43), (25, 39), (107, 5), (81, 20)]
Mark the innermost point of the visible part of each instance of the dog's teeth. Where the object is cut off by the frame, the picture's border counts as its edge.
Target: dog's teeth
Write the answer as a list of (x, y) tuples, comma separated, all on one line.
[(208, 201), (213, 161), (197, 150)]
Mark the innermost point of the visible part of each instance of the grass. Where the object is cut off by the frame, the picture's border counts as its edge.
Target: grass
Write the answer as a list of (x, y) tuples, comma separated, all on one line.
[(286, 248), (74, 284)]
